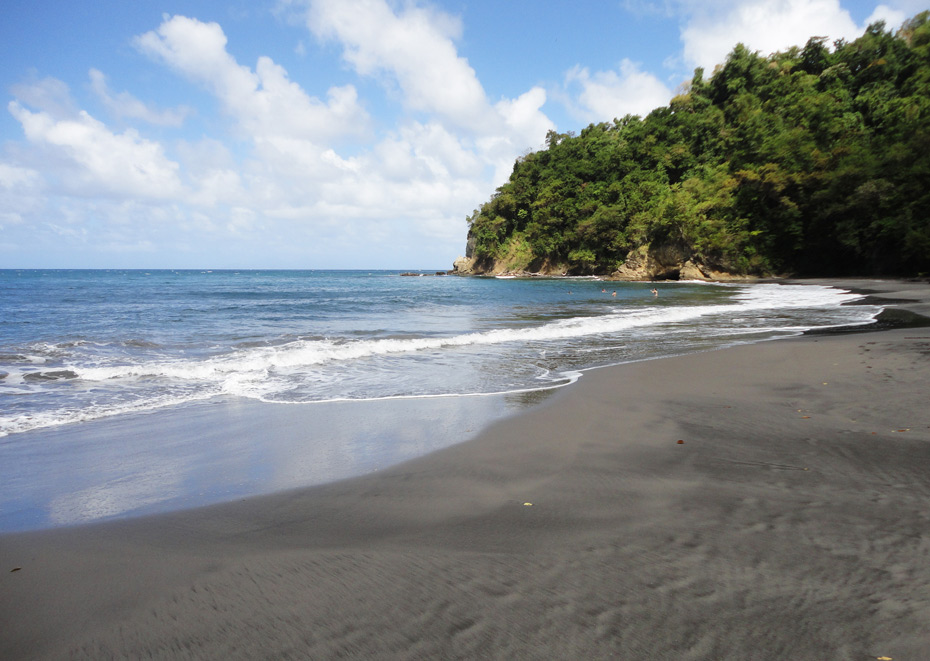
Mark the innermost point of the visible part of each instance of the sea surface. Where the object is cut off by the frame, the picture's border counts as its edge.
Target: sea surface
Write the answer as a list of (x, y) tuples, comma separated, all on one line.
[(82, 352)]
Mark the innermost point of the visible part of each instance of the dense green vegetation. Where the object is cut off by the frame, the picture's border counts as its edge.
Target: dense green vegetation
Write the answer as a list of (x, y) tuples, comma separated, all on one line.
[(808, 161)]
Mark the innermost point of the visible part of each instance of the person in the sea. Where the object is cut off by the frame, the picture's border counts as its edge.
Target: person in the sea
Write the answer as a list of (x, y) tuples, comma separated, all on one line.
[(614, 294), (655, 292)]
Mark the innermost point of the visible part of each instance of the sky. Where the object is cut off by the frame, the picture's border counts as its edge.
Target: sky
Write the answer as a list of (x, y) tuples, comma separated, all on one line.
[(325, 134)]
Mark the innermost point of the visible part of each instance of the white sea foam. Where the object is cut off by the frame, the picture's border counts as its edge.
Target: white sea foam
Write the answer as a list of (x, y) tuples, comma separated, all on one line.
[(16, 423), (305, 353)]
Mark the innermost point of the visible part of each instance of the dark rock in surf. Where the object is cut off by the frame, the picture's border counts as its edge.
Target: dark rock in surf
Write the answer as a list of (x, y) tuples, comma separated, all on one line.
[(50, 376)]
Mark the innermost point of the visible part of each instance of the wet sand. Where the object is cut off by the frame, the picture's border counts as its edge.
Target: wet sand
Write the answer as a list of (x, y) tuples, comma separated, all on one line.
[(220, 450), (765, 501)]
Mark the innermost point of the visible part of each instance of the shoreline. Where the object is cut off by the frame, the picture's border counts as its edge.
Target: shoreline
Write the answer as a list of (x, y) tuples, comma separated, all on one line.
[(791, 520), (221, 450), (224, 448)]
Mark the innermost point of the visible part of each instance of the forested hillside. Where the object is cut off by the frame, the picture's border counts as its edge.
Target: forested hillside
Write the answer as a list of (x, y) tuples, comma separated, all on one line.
[(815, 160)]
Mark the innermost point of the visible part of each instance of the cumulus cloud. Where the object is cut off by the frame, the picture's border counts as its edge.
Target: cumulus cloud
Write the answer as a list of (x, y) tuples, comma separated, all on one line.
[(13, 178), (20, 193), (413, 49), (412, 52), (48, 94), (711, 29), (418, 170), (426, 150), (606, 95), (285, 178), (98, 161), (125, 105), (264, 102), (893, 17)]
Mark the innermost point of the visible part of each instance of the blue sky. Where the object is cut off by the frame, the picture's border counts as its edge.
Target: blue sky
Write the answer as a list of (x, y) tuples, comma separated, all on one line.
[(325, 133)]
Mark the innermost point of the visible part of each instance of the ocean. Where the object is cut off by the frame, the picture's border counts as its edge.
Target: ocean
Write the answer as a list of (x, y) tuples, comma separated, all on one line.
[(89, 360)]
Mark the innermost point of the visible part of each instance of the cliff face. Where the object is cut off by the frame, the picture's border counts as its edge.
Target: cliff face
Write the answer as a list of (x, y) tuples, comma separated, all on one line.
[(470, 266), (666, 262), (516, 259), (463, 266)]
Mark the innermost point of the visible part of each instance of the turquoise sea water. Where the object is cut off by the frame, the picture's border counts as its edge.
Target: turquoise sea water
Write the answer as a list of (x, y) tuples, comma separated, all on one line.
[(85, 348)]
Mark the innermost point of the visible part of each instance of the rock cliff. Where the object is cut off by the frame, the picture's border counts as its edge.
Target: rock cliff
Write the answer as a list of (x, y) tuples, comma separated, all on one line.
[(667, 262)]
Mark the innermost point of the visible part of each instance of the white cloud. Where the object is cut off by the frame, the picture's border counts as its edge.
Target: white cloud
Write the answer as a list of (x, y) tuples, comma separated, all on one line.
[(903, 8), (606, 95), (424, 150), (710, 30), (526, 123), (218, 186), (264, 102), (524, 115), (296, 159), (125, 105), (97, 161), (282, 183), (419, 169), (49, 94), (20, 193), (18, 178), (413, 49), (893, 18)]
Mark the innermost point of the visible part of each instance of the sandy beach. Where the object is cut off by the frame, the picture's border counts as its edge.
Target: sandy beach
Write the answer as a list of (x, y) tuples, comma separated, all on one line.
[(769, 501)]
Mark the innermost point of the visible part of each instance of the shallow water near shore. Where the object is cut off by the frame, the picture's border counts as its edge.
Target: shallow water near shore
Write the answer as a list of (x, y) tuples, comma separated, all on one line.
[(131, 392), (210, 452)]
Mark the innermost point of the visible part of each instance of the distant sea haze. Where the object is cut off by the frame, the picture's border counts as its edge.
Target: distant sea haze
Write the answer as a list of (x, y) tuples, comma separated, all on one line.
[(85, 345)]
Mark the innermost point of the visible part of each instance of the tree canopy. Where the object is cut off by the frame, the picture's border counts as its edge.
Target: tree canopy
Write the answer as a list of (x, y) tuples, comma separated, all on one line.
[(809, 161)]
